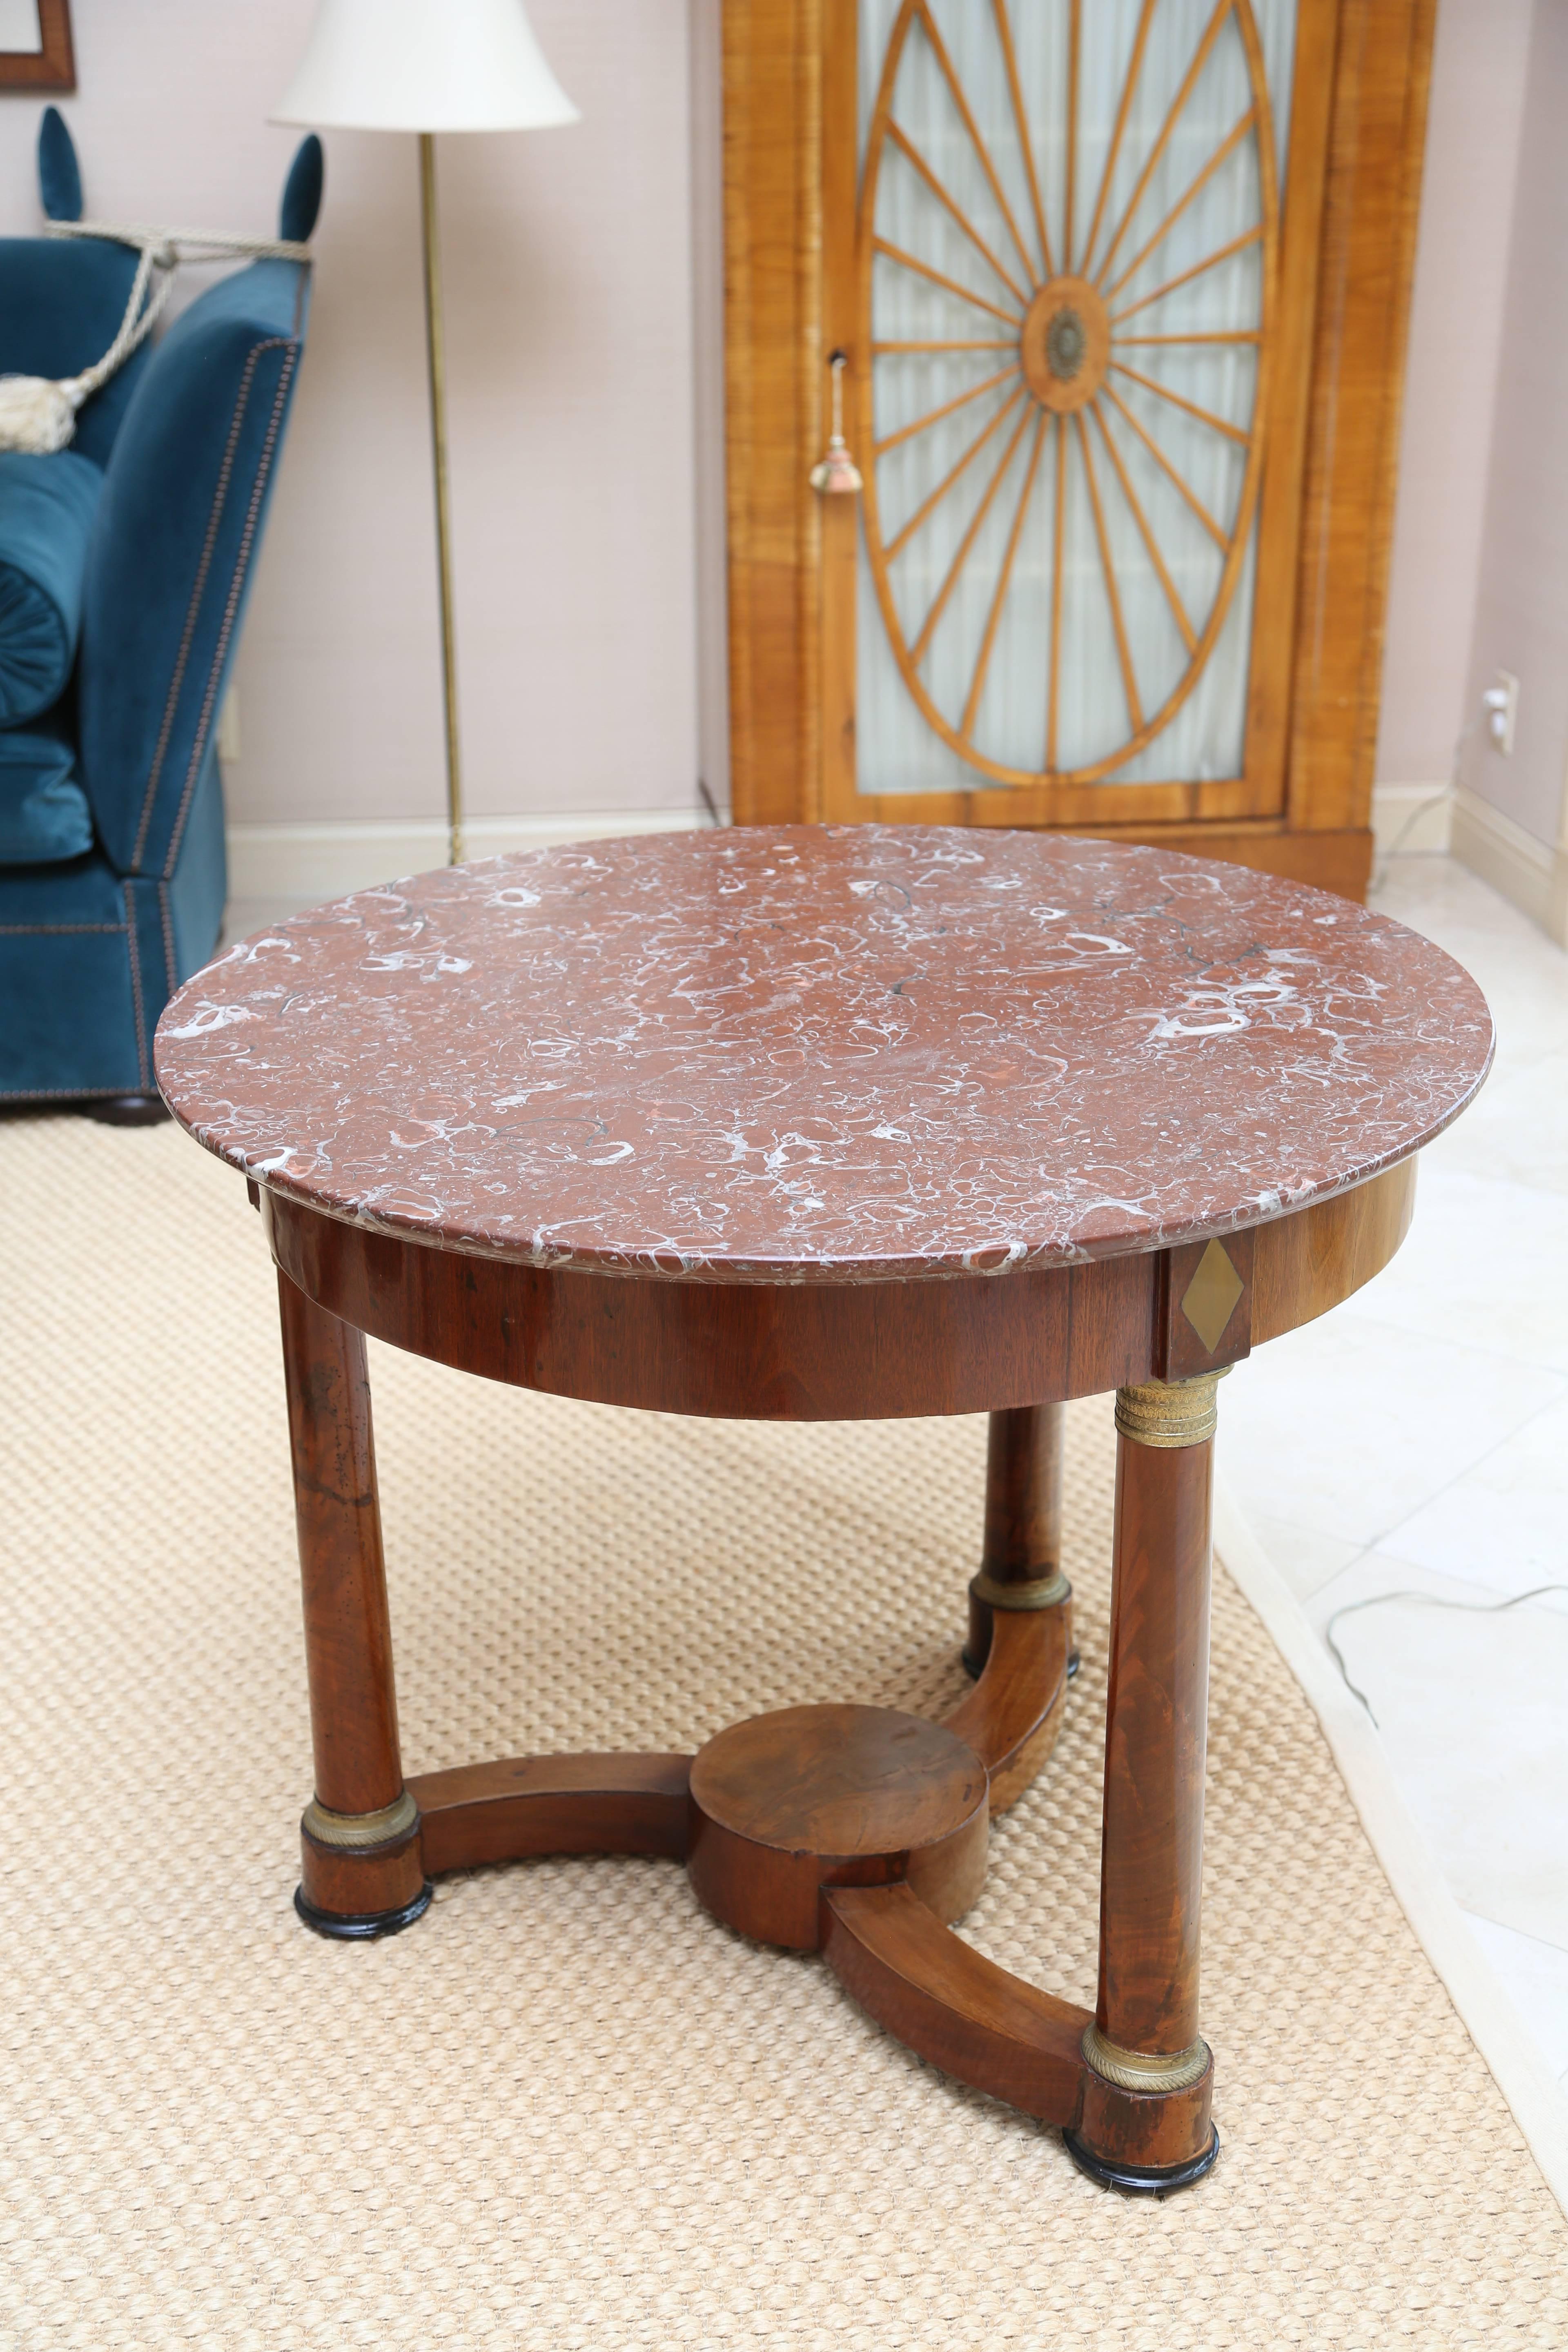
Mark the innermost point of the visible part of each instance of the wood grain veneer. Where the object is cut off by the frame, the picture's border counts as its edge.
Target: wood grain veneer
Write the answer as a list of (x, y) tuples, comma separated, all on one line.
[(816, 1351), (1302, 805)]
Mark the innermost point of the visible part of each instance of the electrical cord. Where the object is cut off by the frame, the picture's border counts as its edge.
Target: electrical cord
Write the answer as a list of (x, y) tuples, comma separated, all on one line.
[(1429, 1601), (1379, 874)]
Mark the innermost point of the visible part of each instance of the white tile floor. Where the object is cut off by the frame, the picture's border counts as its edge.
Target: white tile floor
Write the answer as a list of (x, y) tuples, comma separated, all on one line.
[(1414, 1442)]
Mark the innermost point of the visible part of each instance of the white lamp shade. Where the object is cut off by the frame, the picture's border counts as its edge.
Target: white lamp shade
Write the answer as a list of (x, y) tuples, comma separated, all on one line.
[(424, 65)]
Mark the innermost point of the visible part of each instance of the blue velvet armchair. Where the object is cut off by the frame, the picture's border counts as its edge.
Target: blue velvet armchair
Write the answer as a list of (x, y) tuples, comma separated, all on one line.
[(186, 437)]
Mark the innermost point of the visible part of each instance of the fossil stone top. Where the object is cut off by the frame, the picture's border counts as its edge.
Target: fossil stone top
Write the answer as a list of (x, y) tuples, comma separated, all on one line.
[(803, 1053)]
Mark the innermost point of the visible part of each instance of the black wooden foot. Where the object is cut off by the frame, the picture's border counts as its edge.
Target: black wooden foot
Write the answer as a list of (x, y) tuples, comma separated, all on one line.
[(127, 1110), (364, 1926), (1136, 2179)]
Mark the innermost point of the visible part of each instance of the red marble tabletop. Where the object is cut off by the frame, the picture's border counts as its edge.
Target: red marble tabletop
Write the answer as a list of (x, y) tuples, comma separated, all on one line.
[(795, 1052)]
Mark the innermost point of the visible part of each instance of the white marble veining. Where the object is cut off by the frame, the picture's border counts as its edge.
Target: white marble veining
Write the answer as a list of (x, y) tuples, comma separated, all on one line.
[(853, 1052)]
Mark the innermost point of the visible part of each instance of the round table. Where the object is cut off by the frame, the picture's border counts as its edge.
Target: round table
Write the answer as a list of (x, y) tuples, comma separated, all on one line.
[(800, 1123)]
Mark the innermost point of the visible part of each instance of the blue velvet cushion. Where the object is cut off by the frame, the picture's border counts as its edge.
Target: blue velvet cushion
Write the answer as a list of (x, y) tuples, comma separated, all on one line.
[(47, 506), (61, 302), (43, 813)]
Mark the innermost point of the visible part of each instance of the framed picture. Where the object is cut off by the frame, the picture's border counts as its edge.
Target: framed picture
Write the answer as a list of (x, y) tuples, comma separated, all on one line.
[(35, 44)]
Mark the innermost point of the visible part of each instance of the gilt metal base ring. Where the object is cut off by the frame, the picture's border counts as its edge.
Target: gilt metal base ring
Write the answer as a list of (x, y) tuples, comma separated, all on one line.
[(355, 1831), (1037, 1592), (1139, 2070)]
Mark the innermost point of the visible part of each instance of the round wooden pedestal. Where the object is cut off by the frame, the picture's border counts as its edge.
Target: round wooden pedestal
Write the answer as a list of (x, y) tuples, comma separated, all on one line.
[(788, 1803)]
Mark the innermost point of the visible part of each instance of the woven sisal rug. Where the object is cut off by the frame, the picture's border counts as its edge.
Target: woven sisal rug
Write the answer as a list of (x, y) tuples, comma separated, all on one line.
[(569, 2110)]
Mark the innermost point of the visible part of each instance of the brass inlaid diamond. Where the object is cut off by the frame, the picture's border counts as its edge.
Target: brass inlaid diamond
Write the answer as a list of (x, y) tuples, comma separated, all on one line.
[(1209, 1300)]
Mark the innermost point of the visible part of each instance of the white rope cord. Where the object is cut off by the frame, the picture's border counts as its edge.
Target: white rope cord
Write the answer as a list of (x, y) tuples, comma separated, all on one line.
[(38, 412), (185, 244)]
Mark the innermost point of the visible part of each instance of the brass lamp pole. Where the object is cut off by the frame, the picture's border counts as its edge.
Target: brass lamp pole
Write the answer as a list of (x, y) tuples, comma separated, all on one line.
[(435, 354), (428, 66)]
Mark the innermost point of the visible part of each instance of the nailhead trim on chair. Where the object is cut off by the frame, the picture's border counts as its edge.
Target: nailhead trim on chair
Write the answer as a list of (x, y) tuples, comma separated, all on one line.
[(136, 989), (241, 565)]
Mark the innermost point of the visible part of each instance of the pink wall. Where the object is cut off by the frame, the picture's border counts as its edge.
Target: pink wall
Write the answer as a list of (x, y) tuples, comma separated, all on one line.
[(569, 275), (1521, 599), (1451, 380), (581, 272)]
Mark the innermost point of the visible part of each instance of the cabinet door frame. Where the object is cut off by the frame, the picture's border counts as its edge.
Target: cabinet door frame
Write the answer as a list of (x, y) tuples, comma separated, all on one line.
[(1303, 804)]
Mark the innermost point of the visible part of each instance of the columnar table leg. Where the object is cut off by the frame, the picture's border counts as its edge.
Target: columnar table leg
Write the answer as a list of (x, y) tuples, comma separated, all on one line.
[(1020, 1614), (362, 1873), (1020, 1565), (1148, 2074)]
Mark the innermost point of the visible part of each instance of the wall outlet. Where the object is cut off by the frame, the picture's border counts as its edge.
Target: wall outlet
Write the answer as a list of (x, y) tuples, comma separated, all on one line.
[(1500, 703)]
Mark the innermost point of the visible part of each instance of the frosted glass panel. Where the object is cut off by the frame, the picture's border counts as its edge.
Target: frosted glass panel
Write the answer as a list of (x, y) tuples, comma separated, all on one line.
[(1068, 553)]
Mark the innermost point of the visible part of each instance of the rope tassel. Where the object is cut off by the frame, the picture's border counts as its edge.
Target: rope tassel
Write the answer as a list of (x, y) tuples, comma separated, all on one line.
[(38, 412)]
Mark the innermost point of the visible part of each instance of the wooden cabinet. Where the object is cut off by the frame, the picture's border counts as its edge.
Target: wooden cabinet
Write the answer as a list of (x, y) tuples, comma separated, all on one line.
[(1119, 291)]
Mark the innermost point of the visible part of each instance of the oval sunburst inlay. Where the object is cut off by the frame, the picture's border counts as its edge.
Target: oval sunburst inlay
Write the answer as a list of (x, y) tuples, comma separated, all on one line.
[(1067, 240)]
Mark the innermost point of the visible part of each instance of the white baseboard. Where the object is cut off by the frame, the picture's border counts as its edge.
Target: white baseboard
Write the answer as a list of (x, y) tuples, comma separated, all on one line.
[(1526, 871), (1411, 818), (323, 861)]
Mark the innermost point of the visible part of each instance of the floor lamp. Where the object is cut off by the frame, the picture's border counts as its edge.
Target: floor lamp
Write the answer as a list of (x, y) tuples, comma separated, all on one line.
[(428, 66)]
